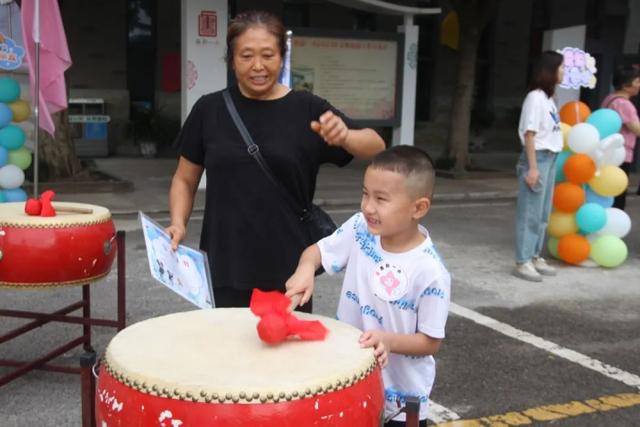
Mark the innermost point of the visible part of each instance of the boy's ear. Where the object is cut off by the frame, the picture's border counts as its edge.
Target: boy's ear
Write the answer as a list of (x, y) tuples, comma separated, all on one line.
[(421, 206)]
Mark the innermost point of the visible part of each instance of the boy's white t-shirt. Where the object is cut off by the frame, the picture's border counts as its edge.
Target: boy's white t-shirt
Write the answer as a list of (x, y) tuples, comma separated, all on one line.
[(404, 293), (540, 115)]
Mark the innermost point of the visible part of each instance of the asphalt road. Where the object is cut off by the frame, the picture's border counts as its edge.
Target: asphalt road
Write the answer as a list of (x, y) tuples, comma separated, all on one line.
[(563, 352)]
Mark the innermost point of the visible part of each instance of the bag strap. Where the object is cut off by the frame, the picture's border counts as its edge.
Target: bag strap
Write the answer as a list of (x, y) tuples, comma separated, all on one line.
[(613, 98), (254, 151)]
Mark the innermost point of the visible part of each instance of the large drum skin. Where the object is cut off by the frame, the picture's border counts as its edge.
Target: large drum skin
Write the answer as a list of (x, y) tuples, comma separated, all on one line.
[(209, 368), (66, 249)]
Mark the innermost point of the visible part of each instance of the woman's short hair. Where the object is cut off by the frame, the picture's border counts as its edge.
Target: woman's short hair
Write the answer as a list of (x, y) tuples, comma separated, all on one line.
[(545, 72), (624, 75), (251, 19)]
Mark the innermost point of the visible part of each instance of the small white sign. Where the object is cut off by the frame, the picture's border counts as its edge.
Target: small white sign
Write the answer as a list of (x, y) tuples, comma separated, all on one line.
[(185, 270)]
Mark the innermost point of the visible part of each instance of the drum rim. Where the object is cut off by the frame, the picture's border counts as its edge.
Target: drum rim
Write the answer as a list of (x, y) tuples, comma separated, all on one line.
[(204, 396), (49, 285), (103, 215)]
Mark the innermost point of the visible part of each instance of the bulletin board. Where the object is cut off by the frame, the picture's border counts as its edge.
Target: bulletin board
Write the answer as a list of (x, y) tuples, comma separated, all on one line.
[(359, 73)]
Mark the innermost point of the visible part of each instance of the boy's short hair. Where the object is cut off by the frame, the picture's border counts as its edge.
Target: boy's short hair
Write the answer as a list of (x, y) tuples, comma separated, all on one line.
[(624, 75), (412, 162)]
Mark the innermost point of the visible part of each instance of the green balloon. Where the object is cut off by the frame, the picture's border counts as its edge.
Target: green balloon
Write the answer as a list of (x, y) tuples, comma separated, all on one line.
[(609, 251), (552, 246), (20, 157)]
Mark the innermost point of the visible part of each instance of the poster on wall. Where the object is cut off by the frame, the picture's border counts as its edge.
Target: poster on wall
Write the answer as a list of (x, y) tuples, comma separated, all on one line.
[(357, 75), (579, 69)]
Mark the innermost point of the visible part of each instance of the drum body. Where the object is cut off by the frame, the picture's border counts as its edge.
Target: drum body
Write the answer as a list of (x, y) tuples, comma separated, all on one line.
[(209, 368), (67, 249)]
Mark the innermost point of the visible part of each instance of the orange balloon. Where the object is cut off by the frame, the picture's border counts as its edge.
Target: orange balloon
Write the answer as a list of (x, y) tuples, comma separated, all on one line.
[(579, 168), (574, 112), (568, 197), (573, 248)]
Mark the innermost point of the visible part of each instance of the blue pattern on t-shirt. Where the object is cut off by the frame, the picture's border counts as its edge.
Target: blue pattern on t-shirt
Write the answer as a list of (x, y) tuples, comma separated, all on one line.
[(404, 304), (393, 395)]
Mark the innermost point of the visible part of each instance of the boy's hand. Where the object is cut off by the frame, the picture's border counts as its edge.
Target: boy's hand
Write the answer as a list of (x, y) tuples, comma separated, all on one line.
[(301, 282), (375, 339)]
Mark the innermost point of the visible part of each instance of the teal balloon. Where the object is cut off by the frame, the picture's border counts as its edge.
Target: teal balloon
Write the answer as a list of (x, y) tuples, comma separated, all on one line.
[(609, 251), (606, 121), (591, 217), (12, 137), (562, 157), (2, 197), (9, 89), (4, 156), (20, 157), (15, 195), (593, 197), (6, 115)]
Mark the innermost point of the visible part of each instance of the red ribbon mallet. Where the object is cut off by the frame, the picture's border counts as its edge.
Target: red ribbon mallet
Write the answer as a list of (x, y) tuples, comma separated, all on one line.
[(41, 206), (277, 323)]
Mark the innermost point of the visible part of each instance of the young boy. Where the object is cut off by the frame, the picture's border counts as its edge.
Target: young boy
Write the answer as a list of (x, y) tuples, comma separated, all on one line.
[(395, 287)]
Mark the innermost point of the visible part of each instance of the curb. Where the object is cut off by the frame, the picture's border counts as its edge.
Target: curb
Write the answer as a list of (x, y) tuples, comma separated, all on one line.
[(355, 203)]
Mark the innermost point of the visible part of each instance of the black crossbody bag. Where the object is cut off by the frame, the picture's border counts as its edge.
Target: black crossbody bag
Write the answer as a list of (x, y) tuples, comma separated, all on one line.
[(317, 223)]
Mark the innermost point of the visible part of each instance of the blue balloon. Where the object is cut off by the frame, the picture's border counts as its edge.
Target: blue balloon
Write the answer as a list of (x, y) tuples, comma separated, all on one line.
[(4, 156), (6, 115), (9, 89), (593, 197), (591, 217), (606, 120), (562, 157), (12, 137), (15, 195)]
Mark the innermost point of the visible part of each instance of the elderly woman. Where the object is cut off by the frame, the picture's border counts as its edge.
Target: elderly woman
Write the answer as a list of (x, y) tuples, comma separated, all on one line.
[(250, 233)]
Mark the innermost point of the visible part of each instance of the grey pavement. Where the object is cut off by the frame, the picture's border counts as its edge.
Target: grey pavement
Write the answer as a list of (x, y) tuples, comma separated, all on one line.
[(481, 371)]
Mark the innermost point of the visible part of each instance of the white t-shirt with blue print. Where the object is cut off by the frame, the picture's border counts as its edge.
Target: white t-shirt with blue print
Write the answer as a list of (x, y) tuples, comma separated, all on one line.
[(404, 293)]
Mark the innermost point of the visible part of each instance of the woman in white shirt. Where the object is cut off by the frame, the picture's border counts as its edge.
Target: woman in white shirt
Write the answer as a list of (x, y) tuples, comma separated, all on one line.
[(541, 138)]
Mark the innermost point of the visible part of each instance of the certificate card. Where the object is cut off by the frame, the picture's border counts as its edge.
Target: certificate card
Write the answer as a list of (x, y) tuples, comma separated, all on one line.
[(185, 270)]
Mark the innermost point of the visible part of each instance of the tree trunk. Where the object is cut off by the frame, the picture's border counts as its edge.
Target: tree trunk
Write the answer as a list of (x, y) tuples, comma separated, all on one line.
[(57, 155), (461, 105), (473, 17)]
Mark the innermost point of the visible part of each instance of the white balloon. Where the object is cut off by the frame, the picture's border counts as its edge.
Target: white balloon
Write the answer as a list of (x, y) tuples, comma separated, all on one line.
[(614, 140), (583, 138), (610, 151), (615, 157), (618, 223), (11, 177)]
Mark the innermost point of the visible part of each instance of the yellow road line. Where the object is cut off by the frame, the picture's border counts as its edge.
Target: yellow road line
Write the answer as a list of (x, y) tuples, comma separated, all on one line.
[(551, 412)]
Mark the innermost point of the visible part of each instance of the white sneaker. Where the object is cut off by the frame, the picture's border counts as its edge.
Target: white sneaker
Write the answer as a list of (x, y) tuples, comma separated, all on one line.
[(542, 267), (527, 271)]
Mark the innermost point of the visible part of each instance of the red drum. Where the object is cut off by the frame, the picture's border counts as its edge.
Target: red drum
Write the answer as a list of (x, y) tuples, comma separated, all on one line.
[(76, 246), (209, 368)]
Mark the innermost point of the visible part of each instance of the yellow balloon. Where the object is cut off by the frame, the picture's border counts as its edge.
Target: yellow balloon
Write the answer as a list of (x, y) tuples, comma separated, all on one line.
[(565, 128), (561, 224), (21, 110), (609, 181)]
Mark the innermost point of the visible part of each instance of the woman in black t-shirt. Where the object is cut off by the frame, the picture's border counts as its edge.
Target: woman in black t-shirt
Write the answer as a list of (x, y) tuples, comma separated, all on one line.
[(251, 235)]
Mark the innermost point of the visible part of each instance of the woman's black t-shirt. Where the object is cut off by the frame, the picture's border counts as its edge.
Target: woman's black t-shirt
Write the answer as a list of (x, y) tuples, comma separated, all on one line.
[(251, 235)]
